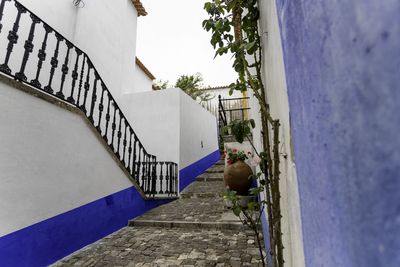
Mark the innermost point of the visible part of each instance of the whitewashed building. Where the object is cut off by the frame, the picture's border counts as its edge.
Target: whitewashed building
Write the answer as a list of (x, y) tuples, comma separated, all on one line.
[(86, 144)]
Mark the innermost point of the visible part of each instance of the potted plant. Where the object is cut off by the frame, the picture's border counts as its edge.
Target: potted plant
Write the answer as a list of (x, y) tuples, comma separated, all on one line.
[(237, 173)]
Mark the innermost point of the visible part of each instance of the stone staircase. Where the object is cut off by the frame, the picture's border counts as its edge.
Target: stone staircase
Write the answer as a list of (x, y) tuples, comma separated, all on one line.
[(201, 206), (195, 230)]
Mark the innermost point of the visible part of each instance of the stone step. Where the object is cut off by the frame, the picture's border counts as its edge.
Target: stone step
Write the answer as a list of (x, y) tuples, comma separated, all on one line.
[(216, 169), (195, 230), (201, 189), (220, 162), (201, 195), (192, 210), (203, 178), (152, 246), (188, 225), (212, 174)]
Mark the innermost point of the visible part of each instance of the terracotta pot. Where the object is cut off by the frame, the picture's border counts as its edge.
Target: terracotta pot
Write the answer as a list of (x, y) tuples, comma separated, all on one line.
[(237, 177)]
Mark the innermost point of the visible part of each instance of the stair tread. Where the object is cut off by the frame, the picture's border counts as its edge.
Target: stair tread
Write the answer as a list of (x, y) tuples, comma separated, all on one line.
[(223, 225)]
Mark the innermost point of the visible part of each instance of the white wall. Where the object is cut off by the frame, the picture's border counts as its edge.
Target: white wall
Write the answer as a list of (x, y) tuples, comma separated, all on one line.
[(224, 94), (155, 118), (60, 14), (105, 30), (172, 125), (50, 161), (275, 81), (197, 126), (141, 82)]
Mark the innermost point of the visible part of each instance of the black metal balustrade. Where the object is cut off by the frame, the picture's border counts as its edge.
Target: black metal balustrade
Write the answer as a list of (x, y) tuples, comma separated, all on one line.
[(230, 109), (62, 70)]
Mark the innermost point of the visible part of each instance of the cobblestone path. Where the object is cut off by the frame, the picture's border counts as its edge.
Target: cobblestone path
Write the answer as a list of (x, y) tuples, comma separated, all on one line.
[(195, 230)]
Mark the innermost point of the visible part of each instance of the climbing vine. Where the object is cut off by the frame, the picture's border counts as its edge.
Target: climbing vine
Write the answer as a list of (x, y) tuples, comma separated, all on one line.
[(234, 29)]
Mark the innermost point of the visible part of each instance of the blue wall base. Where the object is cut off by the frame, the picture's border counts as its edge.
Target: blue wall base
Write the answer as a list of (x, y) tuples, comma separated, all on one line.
[(188, 174), (265, 229), (45, 242)]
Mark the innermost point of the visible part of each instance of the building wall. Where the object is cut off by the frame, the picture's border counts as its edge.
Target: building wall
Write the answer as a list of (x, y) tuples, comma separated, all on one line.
[(155, 119), (277, 97), (60, 189), (342, 70), (174, 126), (224, 92), (105, 30), (61, 15), (141, 82), (198, 139)]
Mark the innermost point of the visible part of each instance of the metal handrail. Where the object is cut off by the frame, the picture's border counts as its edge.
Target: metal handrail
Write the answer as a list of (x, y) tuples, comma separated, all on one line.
[(226, 114), (236, 109), (235, 98), (155, 178)]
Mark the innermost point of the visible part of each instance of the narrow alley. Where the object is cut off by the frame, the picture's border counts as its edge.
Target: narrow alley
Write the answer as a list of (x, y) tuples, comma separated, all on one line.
[(195, 230)]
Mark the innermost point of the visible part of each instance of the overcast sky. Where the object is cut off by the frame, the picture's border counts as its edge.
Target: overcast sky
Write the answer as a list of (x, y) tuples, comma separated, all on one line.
[(171, 42)]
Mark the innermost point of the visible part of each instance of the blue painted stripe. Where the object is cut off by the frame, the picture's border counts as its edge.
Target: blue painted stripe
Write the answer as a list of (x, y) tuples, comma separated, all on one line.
[(50, 240), (188, 174), (265, 229), (46, 242)]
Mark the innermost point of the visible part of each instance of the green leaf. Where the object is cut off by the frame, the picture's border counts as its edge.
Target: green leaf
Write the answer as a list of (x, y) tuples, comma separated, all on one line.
[(207, 6), (237, 210), (250, 45), (231, 90), (251, 205), (255, 190), (252, 123)]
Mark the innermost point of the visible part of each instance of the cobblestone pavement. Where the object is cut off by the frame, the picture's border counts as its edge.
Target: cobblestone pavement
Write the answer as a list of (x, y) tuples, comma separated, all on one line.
[(185, 232)]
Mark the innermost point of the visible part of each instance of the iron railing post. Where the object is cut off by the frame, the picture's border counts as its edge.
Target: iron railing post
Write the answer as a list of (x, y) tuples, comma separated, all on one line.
[(152, 176)]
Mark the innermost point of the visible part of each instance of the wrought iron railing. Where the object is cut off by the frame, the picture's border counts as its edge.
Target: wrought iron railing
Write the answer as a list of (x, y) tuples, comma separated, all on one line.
[(230, 109), (82, 87)]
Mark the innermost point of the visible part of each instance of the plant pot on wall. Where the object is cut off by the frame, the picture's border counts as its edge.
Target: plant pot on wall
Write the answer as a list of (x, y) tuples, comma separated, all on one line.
[(238, 177)]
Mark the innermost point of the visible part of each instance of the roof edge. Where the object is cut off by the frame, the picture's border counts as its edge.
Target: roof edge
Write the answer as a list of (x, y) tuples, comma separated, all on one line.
[(139, 8), (144, 69)]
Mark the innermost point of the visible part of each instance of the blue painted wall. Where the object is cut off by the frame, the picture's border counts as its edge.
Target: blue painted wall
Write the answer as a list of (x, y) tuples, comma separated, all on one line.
[(342, 62), (188, 174), (50, 240)]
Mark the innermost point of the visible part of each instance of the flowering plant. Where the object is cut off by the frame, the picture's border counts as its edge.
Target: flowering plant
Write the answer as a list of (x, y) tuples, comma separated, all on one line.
[(235, 155)]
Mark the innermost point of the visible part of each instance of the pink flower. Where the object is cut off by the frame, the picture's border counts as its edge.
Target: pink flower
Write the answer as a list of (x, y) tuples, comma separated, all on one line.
[(234, 150)]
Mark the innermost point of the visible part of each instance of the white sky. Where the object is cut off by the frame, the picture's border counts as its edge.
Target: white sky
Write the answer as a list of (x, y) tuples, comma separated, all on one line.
[(171, 42)]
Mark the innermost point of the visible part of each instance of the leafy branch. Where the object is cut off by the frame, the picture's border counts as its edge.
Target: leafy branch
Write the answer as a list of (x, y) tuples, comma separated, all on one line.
[(234, 29)]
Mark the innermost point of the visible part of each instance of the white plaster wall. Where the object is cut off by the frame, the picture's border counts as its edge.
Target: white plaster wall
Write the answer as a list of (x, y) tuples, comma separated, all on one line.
[(105, 30), (172, 125), (50, 161), (224, 94), (275, 81), (197, 126), (155, 118), (60, 14), (141, 82)]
